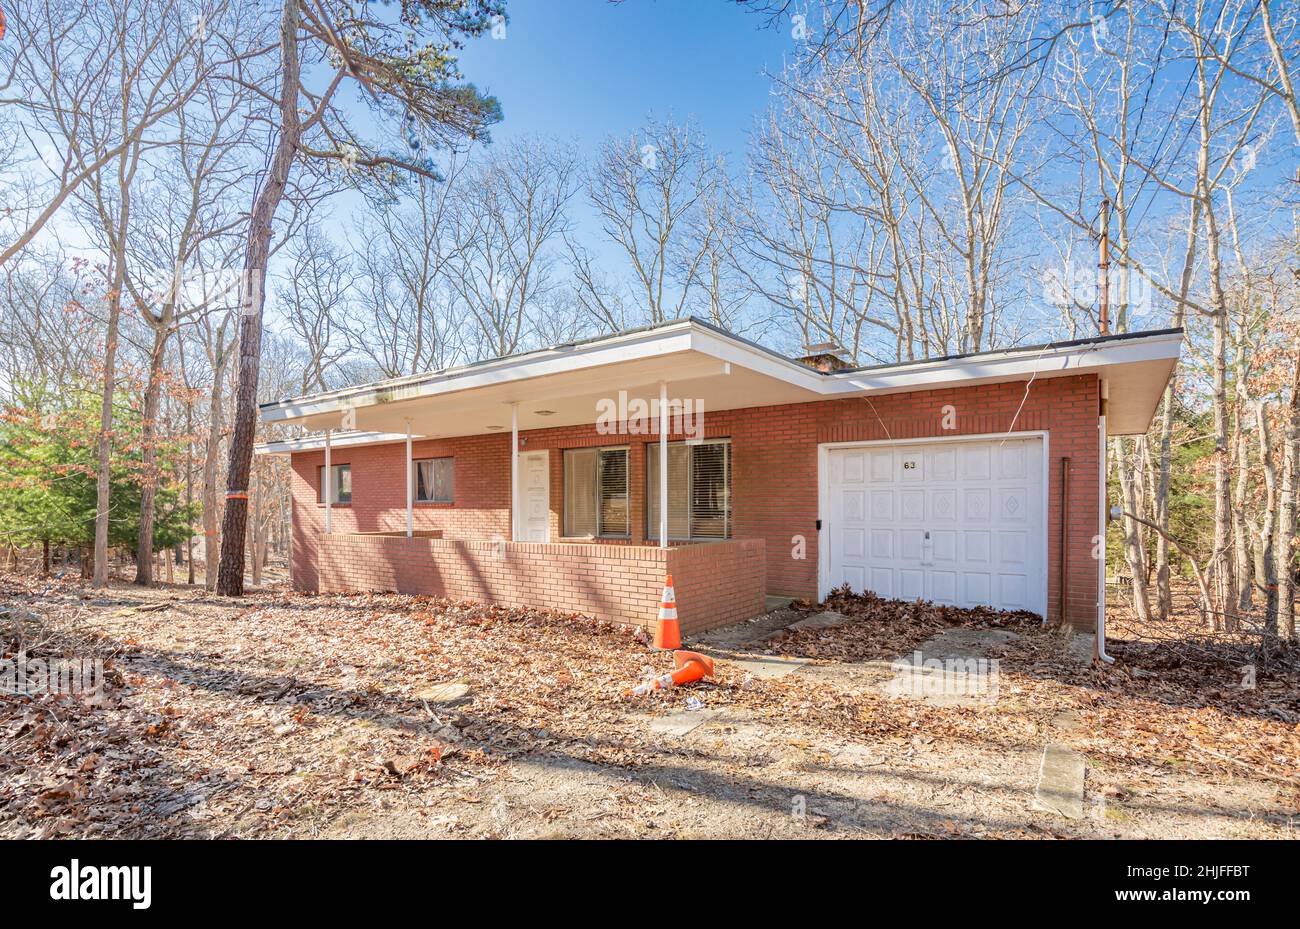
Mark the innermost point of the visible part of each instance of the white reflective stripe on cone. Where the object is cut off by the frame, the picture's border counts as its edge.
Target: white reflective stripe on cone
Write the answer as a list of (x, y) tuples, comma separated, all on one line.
[(667, 612), (669, 594)]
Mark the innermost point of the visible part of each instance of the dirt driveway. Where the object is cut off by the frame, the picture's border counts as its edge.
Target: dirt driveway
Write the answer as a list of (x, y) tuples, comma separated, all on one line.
[(284, 715)]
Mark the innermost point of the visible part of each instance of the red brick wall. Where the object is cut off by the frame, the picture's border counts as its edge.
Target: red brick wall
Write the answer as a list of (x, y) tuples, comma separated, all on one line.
[(722, 583), (774, 475)]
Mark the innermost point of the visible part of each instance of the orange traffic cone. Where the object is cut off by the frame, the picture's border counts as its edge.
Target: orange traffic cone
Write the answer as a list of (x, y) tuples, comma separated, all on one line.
[(668, 634), (691, 667)]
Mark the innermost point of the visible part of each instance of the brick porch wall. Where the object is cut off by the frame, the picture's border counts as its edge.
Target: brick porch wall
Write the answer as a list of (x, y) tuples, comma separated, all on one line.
[(724, 582), (774, 476)]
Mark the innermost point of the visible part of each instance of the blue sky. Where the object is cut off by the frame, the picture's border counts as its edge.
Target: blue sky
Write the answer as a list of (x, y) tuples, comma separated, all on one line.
[(582, 70)]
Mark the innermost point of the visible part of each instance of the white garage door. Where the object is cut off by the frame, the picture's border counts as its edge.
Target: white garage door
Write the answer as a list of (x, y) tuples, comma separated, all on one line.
[(954, 522)]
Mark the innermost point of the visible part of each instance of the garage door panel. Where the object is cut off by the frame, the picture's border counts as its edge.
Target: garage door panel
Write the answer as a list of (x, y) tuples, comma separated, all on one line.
[(911, 506), (943, 586), (954, 522), (943, 505), (944, 542), (1013, 504), (853, 468), (1013, 461), (979, 545), (978, 505), (1013, 591), (978, 587), (853, 507), (1013, 547), (911, 466), (975, 463), (943, 465)]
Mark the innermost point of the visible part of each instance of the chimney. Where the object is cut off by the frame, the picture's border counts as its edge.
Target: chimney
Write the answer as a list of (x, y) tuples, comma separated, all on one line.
[(826, 357)]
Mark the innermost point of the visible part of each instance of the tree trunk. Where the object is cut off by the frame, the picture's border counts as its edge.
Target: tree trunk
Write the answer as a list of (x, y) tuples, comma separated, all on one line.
[(149, 457), (1164, 593), (1287, 513), (1133, 551), (104, 442), (1225, 582), (230, 578), (1246, 577), (1266, 568)]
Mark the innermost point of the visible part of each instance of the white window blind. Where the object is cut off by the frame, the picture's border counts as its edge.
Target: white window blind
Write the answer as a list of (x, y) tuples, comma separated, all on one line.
[(615, 519), (434, 479), (580, 492), (679, 508), (596, 492), (699, 490)]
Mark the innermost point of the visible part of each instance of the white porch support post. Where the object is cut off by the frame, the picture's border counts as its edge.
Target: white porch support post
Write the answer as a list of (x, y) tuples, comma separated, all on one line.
[(327, 482), (514, 472), (663, 464), (410, 486)]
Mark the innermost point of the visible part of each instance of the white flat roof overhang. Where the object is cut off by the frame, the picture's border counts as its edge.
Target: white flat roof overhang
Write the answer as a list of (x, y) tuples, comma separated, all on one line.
[(566, 385)]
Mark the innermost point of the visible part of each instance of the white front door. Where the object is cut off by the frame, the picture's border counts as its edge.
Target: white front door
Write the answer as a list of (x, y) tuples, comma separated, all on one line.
[(955, 522), (534, 497)]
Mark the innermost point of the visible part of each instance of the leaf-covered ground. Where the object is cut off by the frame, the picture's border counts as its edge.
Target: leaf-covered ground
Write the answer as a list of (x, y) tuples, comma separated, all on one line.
[(290, 715)]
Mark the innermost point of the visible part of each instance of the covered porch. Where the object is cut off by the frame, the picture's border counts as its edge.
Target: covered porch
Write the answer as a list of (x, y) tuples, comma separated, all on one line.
[(575, 478)]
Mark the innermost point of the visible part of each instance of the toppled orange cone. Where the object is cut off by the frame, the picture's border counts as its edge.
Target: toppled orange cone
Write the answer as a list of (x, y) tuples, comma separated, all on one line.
[(691, 667)]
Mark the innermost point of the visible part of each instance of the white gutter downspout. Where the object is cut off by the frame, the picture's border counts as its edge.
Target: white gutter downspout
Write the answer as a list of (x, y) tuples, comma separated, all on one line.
[(663, 464), (1099, 649), (327, 480), (410, 485)]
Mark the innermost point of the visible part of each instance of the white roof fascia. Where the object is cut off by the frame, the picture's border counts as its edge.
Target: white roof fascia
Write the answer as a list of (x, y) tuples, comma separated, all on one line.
[(666, 340)]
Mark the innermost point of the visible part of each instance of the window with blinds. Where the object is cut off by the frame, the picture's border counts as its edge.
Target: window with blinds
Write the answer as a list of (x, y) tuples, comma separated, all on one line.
[(596, 499), (434, 479), (699, 490)]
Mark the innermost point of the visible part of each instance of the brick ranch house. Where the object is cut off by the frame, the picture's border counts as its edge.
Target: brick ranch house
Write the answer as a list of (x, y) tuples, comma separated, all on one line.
[(547, 479)]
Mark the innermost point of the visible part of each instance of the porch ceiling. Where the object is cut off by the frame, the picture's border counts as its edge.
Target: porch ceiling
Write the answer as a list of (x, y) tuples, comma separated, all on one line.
[(571, 398)]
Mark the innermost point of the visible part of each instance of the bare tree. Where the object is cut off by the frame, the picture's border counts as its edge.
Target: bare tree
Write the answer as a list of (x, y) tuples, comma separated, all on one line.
[(377, 53), (404, 323), (647, 189), (509, 214), (314, 296)]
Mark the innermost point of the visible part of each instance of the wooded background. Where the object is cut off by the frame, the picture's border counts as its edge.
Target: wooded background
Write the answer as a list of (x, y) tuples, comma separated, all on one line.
[(204, 204)]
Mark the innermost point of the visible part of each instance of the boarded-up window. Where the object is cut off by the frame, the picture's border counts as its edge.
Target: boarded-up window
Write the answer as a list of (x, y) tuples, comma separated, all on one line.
[(699, 490), (434, 478), (596, 492)]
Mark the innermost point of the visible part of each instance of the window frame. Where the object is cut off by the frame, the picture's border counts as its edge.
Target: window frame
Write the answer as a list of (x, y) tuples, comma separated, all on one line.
[(652, 492), (320, 484), (597, 502), (415, 481)]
